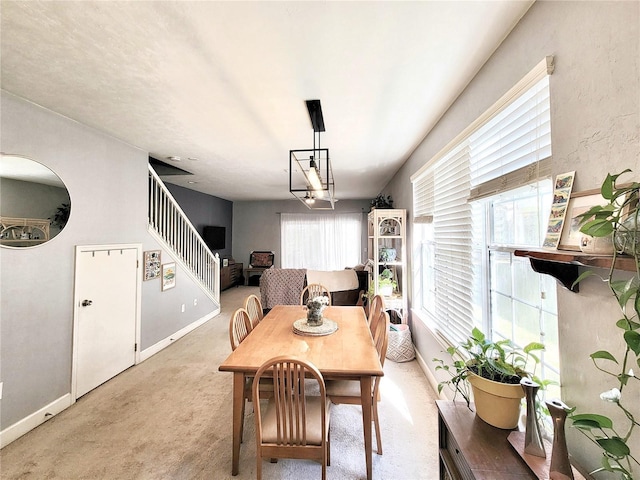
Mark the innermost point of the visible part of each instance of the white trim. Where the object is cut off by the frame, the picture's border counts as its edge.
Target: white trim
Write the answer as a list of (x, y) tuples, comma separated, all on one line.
[(545, 67), (37, 418), (76, 303), (162, 344)]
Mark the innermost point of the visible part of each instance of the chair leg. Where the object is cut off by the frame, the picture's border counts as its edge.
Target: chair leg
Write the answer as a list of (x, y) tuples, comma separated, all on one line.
[(259, 467), (329, 447), (376, 423), (242, 416)]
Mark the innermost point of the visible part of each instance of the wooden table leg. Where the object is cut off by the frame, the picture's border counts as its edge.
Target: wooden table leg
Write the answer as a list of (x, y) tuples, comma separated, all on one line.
[(238, 419), (365, 395)]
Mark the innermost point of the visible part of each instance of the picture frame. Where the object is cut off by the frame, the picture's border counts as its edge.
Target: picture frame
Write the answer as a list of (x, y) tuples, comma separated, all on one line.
[(152, 262), (168, 276), (579, 203), (561, 196)]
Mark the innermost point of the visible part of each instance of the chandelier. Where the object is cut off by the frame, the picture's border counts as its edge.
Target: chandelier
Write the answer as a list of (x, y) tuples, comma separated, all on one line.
[(310, 173)]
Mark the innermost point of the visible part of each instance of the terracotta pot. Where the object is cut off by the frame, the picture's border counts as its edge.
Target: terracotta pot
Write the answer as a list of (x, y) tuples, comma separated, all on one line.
[(497, 403)]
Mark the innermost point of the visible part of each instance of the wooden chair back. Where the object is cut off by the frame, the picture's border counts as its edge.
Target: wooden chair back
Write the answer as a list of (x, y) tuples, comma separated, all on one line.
[(375, 307), (294, 425), (239, 327), (314, 290), (253, 306), (376, 318)]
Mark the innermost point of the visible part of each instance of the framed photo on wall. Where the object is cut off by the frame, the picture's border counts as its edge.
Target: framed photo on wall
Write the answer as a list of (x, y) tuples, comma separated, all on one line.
[(579, 203), (152, 264), (168, 276)]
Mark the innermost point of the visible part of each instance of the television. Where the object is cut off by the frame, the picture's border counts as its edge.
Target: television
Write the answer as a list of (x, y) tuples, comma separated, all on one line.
[(215, 237)]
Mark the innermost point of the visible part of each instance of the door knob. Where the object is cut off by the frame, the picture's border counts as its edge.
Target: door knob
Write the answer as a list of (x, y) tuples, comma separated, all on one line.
[(86, 303)]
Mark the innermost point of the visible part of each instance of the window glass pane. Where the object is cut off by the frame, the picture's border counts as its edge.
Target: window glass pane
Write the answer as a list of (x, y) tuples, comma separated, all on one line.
[(526, 323), (526, 282), (501, 315), (548, 294), (550, 339), (501, 272)]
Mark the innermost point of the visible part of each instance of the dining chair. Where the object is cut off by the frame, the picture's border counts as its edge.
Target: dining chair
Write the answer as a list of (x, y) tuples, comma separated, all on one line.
[(377, 320), (314, 290), (348, 391), (293, 425), (239, 327), (375, 307), (253, 306)]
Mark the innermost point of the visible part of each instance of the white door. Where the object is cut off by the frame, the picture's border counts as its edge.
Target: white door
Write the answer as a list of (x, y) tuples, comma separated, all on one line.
[(106, 313)]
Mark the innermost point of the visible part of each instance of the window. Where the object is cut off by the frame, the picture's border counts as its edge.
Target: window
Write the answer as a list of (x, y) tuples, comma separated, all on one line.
[(321, 241), (486, 194)]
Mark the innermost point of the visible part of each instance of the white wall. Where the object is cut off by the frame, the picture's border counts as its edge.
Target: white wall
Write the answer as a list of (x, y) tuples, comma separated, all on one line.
[(595, 119), (107, 183)]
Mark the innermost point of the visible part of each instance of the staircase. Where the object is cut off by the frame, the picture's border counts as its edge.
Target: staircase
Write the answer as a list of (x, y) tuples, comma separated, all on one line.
[(171, 227)]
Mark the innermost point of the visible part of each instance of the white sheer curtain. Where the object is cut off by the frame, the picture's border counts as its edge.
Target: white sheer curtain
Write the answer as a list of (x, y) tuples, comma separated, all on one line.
[(321, 241)]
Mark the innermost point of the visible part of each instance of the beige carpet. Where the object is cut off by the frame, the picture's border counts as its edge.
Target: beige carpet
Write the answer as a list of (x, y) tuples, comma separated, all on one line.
[(170, 418)]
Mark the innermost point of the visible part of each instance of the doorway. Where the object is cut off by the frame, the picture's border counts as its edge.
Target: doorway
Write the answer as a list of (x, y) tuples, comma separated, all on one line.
[(106, 331)]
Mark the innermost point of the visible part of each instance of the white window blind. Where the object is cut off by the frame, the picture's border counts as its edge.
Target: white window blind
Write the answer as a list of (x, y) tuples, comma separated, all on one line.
[(443, 191), (423, 198), (507, 146), (507, 150)]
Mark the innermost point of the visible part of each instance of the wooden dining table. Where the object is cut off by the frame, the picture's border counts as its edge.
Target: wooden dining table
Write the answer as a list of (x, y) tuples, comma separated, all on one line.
[(348, 353)]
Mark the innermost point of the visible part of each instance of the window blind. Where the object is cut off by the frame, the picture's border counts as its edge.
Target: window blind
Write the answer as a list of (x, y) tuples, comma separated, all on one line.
[(507, 146), (441, 194), (507, 150), (423, 198)]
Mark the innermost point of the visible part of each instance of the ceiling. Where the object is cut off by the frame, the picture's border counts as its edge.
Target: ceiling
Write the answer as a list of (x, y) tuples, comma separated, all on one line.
[(222, 85)]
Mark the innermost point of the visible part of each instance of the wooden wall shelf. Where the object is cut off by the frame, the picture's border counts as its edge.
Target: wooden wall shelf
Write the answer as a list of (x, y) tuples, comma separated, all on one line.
[(563, 264)]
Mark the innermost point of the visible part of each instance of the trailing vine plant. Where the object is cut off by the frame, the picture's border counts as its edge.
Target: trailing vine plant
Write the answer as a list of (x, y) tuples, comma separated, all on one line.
[(620, 218)]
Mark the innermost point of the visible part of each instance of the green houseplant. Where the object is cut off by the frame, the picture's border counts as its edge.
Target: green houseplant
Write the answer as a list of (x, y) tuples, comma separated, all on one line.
[(620, 218), (386, 283), (480, 365)]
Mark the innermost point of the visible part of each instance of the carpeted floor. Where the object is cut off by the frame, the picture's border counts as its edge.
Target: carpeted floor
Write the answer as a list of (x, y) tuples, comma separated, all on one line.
[(170, 418)]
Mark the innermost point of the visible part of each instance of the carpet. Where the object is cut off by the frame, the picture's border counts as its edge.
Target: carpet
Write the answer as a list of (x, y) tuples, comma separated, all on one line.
[(170, 418)]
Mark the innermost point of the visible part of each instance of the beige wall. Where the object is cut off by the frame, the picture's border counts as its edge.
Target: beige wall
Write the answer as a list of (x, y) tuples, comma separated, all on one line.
[(595, 118)]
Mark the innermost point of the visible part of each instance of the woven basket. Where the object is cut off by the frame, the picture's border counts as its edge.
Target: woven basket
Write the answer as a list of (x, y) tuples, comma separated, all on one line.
[(400, 347)]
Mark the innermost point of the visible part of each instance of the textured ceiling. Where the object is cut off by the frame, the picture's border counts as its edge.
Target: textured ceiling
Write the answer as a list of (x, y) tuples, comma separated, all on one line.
[(225, 83)]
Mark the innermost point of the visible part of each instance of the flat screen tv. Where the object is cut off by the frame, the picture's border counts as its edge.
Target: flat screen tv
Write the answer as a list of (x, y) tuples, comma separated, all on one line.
[(214, 237)]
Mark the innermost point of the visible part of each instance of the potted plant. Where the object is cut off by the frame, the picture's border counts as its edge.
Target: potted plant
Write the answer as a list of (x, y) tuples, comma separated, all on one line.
[(382, 202), (61, 217), (620, 218), (386, 283), (492, 371)]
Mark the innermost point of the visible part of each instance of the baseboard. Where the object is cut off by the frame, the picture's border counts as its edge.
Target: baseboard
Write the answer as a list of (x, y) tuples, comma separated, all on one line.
[(30, 422), (429, 374), (162, 344)]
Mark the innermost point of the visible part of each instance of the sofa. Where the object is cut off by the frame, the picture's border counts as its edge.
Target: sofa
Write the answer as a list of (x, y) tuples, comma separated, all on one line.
[(283, 286)]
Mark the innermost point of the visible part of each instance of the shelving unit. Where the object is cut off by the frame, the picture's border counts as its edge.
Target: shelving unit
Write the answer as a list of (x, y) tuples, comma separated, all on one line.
[(23, 232), (387, 233), (563, 264)]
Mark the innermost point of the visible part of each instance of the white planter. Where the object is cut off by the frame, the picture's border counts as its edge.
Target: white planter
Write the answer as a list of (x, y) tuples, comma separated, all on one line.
[(386, 291)]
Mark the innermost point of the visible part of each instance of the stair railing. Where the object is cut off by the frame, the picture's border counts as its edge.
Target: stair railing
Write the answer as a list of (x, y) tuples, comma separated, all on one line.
[(171, 226)]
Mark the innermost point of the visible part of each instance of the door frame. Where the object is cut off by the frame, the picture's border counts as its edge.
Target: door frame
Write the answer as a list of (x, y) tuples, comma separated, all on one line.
[(77, 302)]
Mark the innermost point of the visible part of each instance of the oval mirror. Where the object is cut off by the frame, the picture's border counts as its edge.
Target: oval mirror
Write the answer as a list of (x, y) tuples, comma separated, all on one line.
[(34, 202)]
